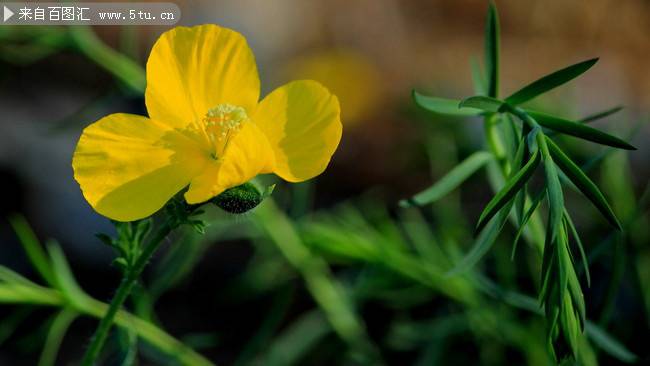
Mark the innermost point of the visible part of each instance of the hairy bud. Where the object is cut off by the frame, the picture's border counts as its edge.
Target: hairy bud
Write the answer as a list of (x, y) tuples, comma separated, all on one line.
[(240, 199)]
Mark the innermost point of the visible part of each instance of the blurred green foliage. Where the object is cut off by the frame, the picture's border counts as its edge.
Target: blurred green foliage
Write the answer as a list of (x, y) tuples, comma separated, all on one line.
[(359, 256)]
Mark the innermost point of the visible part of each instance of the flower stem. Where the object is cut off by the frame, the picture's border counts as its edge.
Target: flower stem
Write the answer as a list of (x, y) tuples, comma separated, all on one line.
[(131, 276)]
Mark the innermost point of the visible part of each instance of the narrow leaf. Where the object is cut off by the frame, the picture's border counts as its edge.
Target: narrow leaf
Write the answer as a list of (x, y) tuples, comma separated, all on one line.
[(512, 186), (578, 130), (518, 159), (478, 79), (554, 190), (581, 249), (57, 331), (492, 50), (487, 104), (608, 344), (65, 280), (549, 82), (584, 184), (443, 106), (575, 292), (548, 260), (449, 182), (524, 221), (483, 242), (564, 264), (32, 247), (600, 115)]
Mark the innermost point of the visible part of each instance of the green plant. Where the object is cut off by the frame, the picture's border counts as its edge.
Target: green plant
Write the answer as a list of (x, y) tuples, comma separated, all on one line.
[(62, 292), (519, 141)]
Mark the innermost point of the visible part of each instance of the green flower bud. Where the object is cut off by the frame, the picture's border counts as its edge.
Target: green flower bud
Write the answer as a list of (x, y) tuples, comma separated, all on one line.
[(242, 198)]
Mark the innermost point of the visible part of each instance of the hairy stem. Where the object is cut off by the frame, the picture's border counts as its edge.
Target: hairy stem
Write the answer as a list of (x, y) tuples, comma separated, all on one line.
[(131, 276)]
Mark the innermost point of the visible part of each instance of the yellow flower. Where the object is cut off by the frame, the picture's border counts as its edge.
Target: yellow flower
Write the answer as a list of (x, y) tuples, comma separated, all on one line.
[(206, 129)]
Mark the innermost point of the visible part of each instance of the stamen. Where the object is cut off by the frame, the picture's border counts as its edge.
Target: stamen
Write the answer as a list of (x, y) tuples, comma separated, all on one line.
[(220, 124)]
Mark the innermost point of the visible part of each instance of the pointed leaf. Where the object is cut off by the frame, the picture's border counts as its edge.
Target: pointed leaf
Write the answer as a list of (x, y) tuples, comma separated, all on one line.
[(520, 197), (450, 181), (581, 249), (443, 106), (478, 79), (32, 247), (584, 184), (548, 260), (578, 130), (483, 103), (524, 221), (65, 280), (608, 344), (58, 328), (554, 190), (549, 82), (483, 242), (492, 50), (512, 186), (600, 115), (564, 264)]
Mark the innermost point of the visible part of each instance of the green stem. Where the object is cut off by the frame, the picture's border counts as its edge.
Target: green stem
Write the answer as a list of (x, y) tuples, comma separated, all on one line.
[(119, 65), (128, 281), (31, 294), (494, 141)]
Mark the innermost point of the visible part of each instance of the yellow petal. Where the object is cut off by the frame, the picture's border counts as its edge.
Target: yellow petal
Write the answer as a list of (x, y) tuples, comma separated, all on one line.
[(302, 123), (191, 70), (248, 154), (129, 166)]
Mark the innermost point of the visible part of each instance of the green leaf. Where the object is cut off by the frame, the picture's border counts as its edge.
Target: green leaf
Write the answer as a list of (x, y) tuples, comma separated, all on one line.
[(600, 115), (9, 276), (578, 130), (549, 82), (443, 106), (569, 325), (554, 190), (32, 247), (608, 344), (450, 181), (576, 295), (518, 158), (548, 258), (564, 261), (597, 335), (57, 331), (483, 242), (492, 50), (291, 345), (65, 281), (487, 104), (524, 221), (581, 249), (478, 79), (512, 186), (584, 184)]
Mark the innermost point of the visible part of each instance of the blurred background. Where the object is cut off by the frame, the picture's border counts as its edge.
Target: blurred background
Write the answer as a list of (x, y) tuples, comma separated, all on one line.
[(236, 296)]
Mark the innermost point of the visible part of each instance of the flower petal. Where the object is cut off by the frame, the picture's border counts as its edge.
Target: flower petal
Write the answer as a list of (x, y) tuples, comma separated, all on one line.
[(302, 122), (191, 70), (129, 166), (247, 155)]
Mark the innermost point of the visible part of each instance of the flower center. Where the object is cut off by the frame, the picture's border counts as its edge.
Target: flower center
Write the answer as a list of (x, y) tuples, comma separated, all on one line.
[(220, 124)]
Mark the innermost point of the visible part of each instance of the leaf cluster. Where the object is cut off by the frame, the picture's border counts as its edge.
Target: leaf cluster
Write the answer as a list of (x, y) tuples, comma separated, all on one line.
[(531, 148)]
